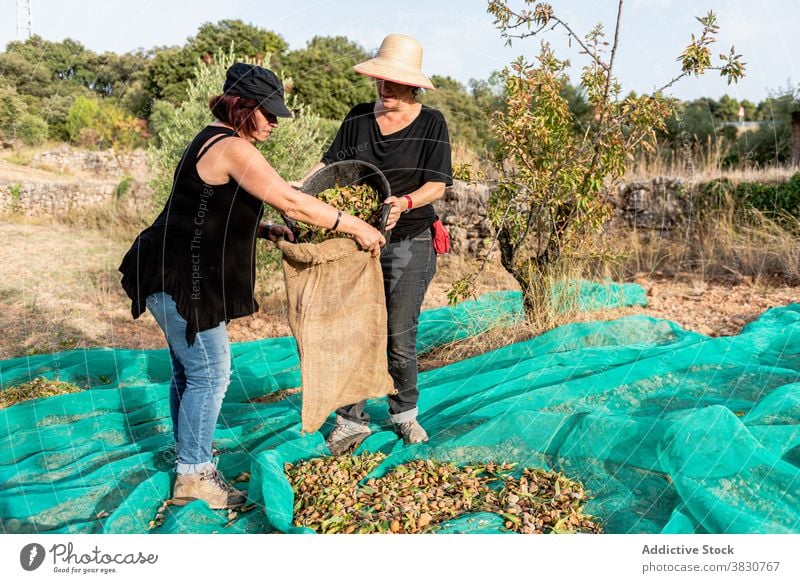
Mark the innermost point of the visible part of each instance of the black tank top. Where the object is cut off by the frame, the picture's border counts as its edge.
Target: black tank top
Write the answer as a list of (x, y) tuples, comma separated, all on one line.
[(200, 249)]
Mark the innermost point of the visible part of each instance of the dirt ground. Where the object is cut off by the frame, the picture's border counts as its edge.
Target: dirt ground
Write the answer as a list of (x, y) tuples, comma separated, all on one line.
[(59, 289)]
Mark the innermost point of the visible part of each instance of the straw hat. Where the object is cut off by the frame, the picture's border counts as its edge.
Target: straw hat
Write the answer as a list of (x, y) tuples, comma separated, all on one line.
[(399, 60)]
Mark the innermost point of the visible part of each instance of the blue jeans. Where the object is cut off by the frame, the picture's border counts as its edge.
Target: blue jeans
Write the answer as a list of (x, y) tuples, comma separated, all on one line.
[(200, 377), (408, 267)]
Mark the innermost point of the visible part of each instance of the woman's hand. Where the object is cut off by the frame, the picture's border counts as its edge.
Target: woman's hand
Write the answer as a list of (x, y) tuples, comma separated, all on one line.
[(399, 206), (296, 184), (275, 233), (369, 238)]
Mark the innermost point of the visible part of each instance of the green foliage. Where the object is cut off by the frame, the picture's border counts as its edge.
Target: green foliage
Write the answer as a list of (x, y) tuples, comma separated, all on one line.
[(244, 39), (161, 115), (466, 173), (169, 73), (32, 130), (55, 111), (82, 120), (12, 108), (323, 77), (38, 67), (467, 121), (44, 69), (778, 201), (770, 144), (123, 187), (172, 68), (549, 201), (92, 122), (16, 193), (298, 143)]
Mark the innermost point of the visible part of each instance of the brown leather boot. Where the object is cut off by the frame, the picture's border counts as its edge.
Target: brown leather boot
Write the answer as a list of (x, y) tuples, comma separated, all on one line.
[(208, 485)]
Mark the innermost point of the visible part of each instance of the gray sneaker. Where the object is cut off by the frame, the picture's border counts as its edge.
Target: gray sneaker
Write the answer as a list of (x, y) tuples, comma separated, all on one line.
[(346, 435), (411, 432)]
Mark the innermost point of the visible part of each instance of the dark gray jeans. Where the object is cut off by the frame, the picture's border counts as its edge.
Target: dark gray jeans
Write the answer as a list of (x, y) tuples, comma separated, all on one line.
[(408, 266)]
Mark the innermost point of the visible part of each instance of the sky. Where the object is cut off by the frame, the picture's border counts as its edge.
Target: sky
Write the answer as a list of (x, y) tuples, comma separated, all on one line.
[(458, 35)]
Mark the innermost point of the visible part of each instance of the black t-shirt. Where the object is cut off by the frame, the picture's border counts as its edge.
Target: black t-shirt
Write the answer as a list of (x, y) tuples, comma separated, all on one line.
[(409, 158)]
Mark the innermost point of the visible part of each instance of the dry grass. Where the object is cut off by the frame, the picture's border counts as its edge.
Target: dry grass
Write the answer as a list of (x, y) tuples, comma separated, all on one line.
[(727, 244), (23, 155), (703, 164)]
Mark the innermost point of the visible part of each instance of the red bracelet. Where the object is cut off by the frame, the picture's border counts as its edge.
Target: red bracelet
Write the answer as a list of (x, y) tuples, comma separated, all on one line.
[(410, 202)]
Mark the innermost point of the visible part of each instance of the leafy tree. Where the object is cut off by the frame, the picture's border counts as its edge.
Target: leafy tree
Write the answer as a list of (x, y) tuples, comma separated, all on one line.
[(467, 121), (246, 39), (728, 109), (489, 93), (161, 116), (65, 60), (99, 123), (549, 201), (172, 67), (12, 108), (169, 73), (692, 121), (26, 77), (83, 117), (54, 110), (32, 130), (323, 77)]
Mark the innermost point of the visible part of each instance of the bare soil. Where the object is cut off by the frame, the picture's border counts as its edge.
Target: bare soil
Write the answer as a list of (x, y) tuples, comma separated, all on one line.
[(59, 289)]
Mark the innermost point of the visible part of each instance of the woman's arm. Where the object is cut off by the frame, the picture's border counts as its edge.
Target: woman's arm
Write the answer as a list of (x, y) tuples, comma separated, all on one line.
[(247, 166), (426, 194), (312, 170)]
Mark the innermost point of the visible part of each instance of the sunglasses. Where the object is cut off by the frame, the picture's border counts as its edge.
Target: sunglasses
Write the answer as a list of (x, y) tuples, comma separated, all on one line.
[(271, 118)]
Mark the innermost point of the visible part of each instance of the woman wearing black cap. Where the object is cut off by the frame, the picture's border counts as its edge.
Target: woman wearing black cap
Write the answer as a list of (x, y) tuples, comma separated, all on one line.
[(194, 267)]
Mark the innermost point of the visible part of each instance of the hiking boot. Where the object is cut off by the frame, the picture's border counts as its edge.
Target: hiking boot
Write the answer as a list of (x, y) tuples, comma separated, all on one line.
[(346, 435), (208, 485), (411, 432)]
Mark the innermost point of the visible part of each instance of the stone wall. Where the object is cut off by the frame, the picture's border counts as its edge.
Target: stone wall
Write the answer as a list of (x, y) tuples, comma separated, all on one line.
[(98, 163), (662, 204), (462, 210), (43, 198)]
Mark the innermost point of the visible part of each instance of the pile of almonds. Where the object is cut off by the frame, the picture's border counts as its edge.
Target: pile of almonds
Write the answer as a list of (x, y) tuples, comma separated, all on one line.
[(416, 497), (360, 200)]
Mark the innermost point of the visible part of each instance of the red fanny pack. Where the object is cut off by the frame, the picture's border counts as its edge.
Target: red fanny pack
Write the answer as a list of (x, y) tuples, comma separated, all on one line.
[(441, 238)]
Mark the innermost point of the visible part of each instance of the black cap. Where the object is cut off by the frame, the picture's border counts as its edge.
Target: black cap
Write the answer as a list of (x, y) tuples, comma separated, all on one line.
[(258, 83)]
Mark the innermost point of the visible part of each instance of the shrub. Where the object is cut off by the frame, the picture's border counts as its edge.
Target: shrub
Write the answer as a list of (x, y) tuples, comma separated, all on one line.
[(32, 130), (84, 114), (93, 122), (776, 200), (54, 110), (123, 187), (12, 108)]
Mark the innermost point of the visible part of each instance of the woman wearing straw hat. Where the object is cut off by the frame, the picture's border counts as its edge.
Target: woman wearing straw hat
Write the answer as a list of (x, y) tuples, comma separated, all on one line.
[(409, 143), (194, 267)]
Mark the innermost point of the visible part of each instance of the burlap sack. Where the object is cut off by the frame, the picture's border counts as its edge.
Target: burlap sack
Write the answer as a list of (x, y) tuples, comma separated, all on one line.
[(337, 313)]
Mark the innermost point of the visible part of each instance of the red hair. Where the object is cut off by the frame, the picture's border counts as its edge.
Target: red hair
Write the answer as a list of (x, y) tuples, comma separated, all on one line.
[(237, 112)]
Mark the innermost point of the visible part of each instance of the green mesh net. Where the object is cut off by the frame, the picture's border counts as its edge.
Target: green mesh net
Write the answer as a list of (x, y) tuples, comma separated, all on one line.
[(669, 430)]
